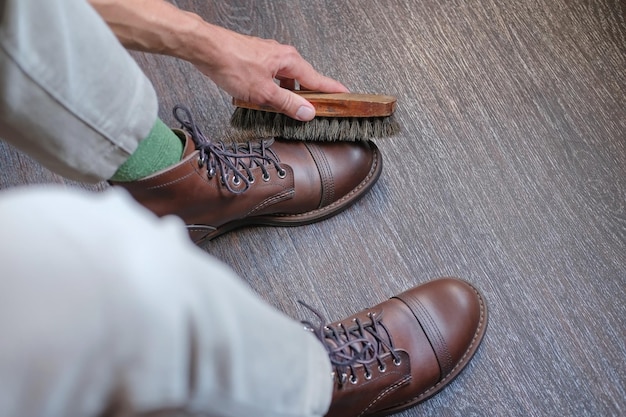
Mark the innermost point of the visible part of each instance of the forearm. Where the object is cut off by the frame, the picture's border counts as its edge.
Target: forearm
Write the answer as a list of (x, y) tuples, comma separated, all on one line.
[(243, 66), (157, 26)]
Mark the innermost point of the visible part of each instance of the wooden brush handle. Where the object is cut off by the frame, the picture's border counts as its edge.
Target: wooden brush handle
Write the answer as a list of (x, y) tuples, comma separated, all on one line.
[(338, 104)]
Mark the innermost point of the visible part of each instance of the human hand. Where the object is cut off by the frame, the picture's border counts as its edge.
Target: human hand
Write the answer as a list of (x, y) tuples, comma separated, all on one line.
[(248, 68)]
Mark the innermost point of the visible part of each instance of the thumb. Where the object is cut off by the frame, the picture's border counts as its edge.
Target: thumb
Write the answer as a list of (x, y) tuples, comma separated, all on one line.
[(293, 105)]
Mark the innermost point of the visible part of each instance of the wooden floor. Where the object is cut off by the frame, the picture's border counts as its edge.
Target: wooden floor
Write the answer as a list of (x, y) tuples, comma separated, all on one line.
[(510, 172)]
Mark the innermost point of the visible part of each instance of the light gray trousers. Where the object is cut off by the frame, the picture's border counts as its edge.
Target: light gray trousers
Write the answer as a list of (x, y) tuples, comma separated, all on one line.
[(103, 305)]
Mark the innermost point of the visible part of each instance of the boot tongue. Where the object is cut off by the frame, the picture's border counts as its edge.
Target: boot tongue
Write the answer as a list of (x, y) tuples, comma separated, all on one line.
[(188, 144)]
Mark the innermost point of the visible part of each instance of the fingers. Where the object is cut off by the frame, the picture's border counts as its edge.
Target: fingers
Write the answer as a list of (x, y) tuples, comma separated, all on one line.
[(291, 104), (288, 83), (297, 68), (327, 85), (293, 68), (323, 84), (247, 68)]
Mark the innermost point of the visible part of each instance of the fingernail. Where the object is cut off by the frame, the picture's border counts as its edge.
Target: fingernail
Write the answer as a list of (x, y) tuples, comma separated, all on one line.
[(305, 113)]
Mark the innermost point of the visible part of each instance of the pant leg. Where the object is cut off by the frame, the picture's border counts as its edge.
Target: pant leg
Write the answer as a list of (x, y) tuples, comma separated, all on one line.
[(70, 95), (104, 305)]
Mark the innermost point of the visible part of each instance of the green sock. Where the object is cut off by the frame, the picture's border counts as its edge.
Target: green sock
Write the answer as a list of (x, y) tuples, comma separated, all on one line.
[(162, 148)]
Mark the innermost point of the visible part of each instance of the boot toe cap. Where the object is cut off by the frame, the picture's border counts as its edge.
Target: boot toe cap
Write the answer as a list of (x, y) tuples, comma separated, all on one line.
[(352, 164), (453, 315), (328, 177)]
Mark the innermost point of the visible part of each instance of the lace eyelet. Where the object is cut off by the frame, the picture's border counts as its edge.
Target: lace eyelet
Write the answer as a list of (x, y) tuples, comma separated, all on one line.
[(397, 361), (353, 379), (251, 180), (368, 375), (282, 173), (236, 181), (266, 177), (382, 368)]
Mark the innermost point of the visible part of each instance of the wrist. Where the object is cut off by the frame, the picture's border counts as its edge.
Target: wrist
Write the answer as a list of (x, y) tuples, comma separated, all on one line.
[(198, 41)]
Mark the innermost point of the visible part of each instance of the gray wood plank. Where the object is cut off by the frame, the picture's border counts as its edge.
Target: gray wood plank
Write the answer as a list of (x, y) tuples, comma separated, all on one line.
[(510, 172)]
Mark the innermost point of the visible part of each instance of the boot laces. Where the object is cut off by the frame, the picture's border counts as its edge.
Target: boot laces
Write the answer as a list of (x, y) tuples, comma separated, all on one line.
[(362, 343), (226, 159)]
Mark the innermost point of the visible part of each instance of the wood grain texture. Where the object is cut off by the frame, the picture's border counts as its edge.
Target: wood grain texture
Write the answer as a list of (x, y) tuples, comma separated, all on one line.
[(510, 172), (338, 104)]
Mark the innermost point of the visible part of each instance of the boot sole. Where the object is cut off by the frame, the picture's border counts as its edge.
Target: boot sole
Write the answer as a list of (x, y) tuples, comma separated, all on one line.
[(313, 216)]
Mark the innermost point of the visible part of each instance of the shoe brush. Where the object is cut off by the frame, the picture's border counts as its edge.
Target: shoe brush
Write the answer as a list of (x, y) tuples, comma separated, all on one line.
[(338, 117)]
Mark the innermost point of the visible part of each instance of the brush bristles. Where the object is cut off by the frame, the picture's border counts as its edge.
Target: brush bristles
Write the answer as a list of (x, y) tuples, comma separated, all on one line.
[(268, 124)]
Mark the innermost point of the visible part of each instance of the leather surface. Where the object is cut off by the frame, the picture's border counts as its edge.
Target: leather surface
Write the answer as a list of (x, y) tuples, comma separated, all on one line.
[(435, 329), (318, 176)]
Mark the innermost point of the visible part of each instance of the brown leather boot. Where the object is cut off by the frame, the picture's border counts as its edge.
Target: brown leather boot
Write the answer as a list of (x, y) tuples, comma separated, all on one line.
[(404, 350), (217, 187)]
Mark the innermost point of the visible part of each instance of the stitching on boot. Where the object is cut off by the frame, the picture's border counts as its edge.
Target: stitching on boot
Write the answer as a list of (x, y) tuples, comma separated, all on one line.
[(325, 173), (426, 394)]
